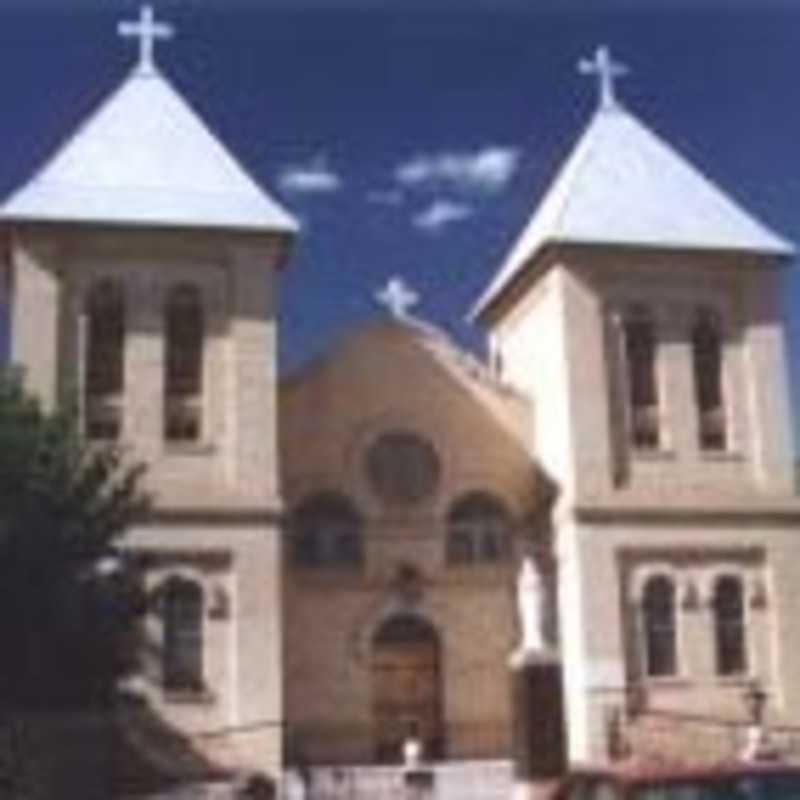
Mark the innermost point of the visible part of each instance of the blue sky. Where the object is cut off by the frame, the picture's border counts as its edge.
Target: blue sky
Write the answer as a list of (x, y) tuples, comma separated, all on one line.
[(415, 138)]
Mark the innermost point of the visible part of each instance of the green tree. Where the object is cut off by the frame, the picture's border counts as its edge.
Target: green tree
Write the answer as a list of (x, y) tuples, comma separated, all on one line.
[(64, 503)]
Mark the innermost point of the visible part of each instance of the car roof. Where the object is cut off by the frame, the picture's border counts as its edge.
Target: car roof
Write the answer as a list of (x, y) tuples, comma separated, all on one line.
[(648, 773)]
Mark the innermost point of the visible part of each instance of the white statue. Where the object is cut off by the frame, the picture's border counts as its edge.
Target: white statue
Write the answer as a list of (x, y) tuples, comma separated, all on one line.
[(529, 606), (412, 750)]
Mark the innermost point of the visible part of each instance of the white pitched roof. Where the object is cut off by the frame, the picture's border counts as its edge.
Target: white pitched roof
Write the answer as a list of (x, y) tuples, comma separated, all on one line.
[(145, 158), (623, 185)]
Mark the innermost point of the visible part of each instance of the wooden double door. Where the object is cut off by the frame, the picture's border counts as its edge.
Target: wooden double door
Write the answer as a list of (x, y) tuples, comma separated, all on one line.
[(406, 682)]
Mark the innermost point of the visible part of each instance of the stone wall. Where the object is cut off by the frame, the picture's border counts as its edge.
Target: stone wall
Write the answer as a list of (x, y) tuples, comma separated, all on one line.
[(687, 739), (392, 377), (328, 669), (671, 738)]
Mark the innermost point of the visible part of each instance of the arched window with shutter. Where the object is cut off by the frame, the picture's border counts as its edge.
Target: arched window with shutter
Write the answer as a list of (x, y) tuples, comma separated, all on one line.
[(478, 530), (708, 379), (104, 354), (639, 341), (183, 635), (729, 626), (658, 627), (326, 531), (183, 379)]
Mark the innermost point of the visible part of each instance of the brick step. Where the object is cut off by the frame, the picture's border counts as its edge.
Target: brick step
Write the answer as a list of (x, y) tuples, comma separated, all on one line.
[(452, 780)]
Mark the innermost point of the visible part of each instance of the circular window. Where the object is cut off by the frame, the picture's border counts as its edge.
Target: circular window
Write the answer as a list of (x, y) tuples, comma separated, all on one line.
[(402, 467)]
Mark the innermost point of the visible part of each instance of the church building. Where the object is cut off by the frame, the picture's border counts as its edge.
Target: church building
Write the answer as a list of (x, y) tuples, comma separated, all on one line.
[(333, 555)]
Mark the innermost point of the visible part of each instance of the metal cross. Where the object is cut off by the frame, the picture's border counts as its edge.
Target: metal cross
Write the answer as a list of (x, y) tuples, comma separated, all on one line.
[(398, 297), (607, 70), (147, 31)]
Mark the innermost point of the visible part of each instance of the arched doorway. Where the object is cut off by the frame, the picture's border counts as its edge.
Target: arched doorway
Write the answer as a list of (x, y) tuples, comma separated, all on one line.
[(406, 684)]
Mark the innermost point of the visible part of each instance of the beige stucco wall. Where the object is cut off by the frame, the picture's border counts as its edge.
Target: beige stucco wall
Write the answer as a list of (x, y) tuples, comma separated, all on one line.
[(237, 721), (553, 336), (216, 502), (561, 323), (531, 342), (235, 461), (615, 557)]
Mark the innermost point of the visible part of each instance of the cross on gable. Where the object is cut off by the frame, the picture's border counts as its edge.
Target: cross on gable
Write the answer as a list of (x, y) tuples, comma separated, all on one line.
[(147, 31), (607, 70), (398, 297)]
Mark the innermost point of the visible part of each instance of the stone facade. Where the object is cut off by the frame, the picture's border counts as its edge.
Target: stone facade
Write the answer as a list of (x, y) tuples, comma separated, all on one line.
[(289, 648), (389, 377)]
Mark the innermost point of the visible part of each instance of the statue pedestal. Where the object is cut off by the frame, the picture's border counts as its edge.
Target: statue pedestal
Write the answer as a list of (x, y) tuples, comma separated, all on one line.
[(418, 783), (523, 657), (538, 743)]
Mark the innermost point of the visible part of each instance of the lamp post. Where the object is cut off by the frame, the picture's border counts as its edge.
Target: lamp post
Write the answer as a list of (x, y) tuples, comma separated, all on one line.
[(755, 699), (418, 779), (757, 746)]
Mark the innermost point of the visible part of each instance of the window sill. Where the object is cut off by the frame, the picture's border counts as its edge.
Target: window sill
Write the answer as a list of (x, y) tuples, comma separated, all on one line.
[(721, 455), (667, 682), (324, 581), (185, 697), (468, 567), (191, 449), (739, 681), (323, 569), (328, 572), (478, 575), (652, 455)]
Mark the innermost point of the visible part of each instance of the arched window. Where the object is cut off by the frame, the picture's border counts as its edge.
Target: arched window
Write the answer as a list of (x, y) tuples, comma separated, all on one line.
[(478, 530), (104, 376), (183, 635), (729, 626), (326, 530), (403, 467), (707, 365), (183, 380), (639, 338), (658, 623)]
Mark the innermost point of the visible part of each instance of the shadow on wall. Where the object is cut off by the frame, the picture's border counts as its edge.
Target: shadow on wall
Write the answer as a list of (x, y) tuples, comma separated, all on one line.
[(150, 756), (153, 759)]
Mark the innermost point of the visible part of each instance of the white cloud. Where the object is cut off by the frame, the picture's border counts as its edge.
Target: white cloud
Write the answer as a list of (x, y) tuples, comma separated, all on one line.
[(488, 169), (385, 197), (440, 213), (315, 177)]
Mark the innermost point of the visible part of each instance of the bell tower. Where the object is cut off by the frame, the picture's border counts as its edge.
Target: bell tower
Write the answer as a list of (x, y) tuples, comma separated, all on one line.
[(144, 261), (638, 310)]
